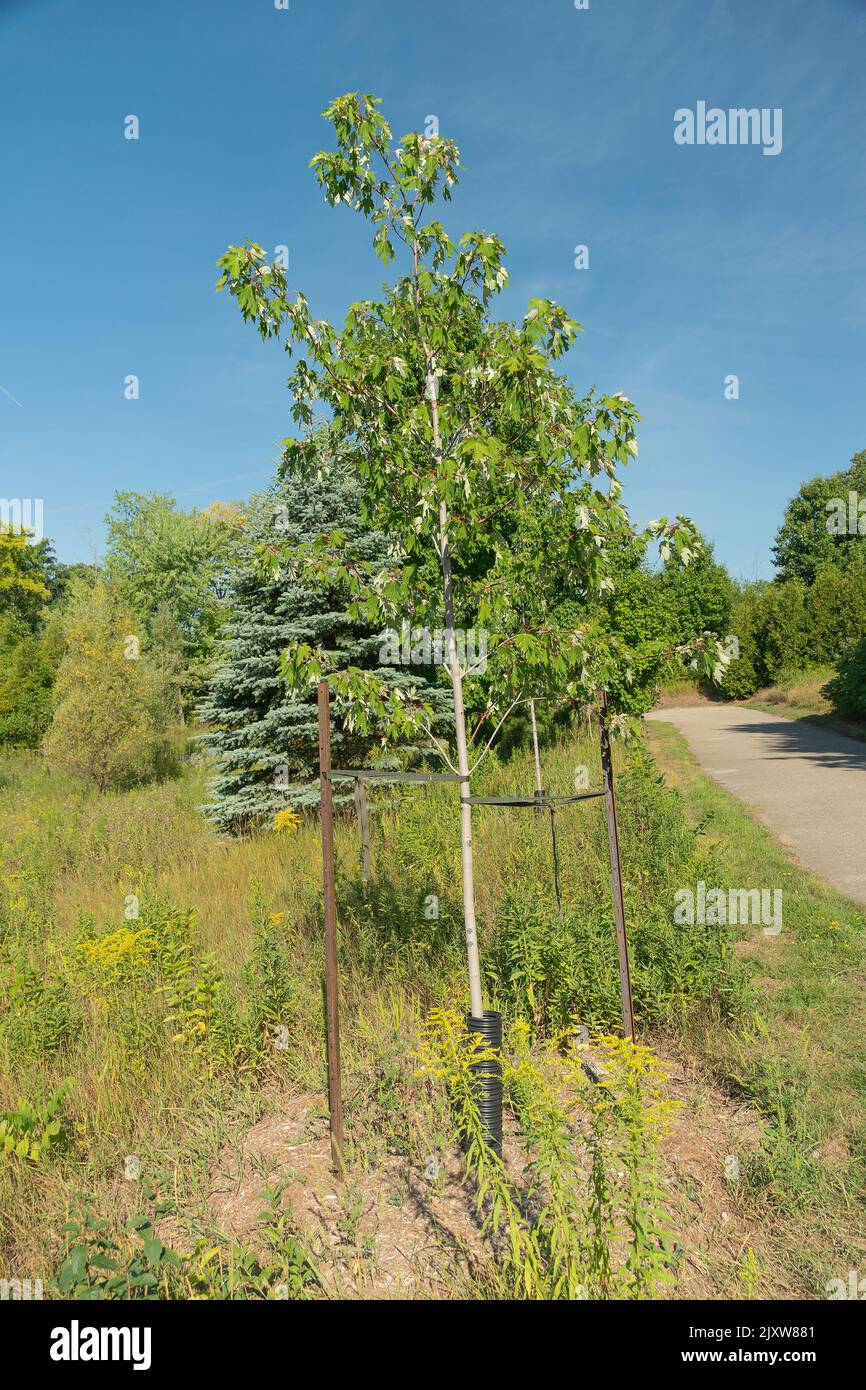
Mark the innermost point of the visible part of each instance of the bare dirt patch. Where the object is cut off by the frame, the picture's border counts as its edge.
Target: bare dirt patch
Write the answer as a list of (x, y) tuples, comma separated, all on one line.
[(409, 1231), (398, 1231)]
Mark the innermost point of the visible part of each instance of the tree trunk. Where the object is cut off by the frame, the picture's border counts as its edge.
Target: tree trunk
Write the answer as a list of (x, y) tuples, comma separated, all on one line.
[(476, 1002), (535, 754)]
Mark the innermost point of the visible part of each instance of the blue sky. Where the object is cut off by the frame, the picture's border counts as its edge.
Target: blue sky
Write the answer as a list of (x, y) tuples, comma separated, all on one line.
[(705, 260)]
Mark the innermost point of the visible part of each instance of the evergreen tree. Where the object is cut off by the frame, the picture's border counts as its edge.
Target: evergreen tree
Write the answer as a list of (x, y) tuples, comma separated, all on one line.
[(783, 631), (263, 737), (747, 672), (836, 608)]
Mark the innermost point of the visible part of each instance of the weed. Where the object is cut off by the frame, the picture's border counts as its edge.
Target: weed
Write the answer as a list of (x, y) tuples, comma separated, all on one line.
[(561, 1237), (28, 1131), (96, 1267)]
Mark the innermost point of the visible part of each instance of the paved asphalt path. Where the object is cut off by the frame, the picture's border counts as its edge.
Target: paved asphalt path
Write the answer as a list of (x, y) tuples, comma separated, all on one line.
[(806, 784)]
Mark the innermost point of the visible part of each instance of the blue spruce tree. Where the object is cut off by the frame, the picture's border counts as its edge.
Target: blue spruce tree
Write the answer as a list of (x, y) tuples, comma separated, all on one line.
[(263, 740)]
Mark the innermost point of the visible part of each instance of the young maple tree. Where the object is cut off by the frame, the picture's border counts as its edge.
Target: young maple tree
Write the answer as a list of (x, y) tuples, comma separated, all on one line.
[(494, 477)]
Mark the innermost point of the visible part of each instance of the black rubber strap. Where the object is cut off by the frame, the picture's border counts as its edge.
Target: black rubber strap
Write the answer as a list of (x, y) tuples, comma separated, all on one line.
[(530, 801)]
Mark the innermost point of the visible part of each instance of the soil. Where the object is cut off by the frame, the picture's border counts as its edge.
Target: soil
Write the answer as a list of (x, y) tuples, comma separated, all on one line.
[(403, 1231)]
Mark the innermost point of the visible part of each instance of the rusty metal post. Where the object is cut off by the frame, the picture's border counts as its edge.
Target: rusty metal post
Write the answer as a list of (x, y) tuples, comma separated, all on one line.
[(332, 986), (615, 871)]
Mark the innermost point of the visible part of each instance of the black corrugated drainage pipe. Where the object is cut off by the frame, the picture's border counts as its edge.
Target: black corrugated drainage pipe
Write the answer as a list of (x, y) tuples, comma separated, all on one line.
[(490, 1078)]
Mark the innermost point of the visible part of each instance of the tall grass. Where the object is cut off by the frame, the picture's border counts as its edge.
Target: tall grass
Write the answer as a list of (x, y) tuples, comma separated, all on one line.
[(173, 978)]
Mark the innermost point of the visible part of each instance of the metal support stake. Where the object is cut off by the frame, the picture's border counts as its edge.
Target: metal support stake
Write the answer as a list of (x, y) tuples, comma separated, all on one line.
[(364, 823), (332, 1002), (615, 871), (540, 799), (539, 796), (556, 881)]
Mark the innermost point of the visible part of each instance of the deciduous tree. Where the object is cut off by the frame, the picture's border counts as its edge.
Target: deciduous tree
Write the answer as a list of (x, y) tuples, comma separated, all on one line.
[(463, 436), (110, 716)]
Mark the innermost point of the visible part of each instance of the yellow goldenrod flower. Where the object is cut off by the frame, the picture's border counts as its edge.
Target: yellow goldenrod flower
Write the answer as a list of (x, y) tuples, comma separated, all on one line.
[(287, 821), (117, 946)]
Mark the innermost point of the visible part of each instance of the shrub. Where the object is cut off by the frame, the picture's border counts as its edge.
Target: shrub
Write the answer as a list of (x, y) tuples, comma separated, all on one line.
[(28, 1131), (95, 1267), (138, 1265), (28, 667), (836, 607), (110, 707), (847, 689)]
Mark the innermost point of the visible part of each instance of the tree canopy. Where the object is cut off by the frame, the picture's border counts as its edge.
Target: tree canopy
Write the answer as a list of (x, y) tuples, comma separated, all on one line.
[(812, 532), (27, 576), (169, 565)]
